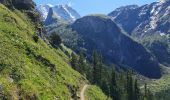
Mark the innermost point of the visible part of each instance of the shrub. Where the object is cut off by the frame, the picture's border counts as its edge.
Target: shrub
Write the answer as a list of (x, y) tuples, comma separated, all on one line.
[(2, 66), (55, 40), (35, 38)]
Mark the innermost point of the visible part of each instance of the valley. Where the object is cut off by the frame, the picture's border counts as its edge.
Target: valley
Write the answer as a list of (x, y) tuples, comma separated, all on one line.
[(51, 52)]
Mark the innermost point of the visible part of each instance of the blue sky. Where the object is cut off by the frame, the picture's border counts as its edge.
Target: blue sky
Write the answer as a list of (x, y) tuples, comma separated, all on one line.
[(85, 7)]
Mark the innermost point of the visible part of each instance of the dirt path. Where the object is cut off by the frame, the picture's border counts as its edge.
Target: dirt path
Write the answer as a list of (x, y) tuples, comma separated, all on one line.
[(82, 93)]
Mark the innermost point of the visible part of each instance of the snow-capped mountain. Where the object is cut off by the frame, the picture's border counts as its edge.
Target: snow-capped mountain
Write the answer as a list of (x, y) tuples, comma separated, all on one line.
[(149, 25), (51, 18), (148, 19), (43, 10), (64, 12)]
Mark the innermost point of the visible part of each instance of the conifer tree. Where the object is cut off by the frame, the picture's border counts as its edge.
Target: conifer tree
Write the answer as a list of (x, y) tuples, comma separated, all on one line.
[(114, 86), (55, 40), (95, 67), (129, 85), (101, 72), (74, 61), (145, 90), (136, 91), (82, 63)]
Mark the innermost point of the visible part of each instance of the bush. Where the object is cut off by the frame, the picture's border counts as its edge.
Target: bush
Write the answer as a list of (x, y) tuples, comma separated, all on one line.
[(35, 38), (2, 66), (55, 40)]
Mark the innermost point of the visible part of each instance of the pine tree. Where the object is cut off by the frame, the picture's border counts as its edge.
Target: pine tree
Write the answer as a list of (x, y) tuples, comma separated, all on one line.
[(55, 40), (95, 67), (101, 72), (74, 61), (82, 63), (113, 81), (122, 81), (136, 91), (145, 91), (114, 86), (130, 86)]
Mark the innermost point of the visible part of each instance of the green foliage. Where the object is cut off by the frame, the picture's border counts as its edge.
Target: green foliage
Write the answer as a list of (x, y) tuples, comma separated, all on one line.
[(115, 94), (74, 61), (147, 94), (118, 85), (55, 40), (69, 37), (136, 91), (161, 88), (35, 38), (130, 86), (162, 95), (80, 64), (96, 68)]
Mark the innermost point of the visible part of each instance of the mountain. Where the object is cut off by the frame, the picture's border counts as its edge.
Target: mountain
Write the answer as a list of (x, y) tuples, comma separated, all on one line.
[(53, 18), (144, 21), (99, 32), (148, 24), (64, 12), (43, 10)]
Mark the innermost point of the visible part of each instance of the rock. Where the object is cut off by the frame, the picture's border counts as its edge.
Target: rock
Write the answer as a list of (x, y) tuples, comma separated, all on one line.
[(19, 4)]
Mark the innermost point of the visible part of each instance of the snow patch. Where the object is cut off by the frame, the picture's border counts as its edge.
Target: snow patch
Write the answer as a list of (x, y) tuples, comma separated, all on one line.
[(143, 11), (65, 12), (65, 8), (162, 34), (154, 18), (50, 5)]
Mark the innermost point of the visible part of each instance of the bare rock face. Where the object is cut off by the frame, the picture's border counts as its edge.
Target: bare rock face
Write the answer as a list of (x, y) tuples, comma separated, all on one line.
[(19, 4), (28, 6)]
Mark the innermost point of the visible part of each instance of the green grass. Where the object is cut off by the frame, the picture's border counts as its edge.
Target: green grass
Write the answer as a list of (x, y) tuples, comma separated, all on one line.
[(95, 93), (33, 70), (22, 74)]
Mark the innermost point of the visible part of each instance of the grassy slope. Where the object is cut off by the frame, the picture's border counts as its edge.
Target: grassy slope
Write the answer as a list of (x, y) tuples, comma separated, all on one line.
[(95, 93), (22, 75), (161, 87)]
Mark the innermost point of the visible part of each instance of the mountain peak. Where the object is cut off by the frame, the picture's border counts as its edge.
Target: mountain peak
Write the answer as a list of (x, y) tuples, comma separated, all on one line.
[(52, 17), (163, 1), (127, 7), (52, 13), (64, 11), (50, 5), (99, 16), (62, 5)]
